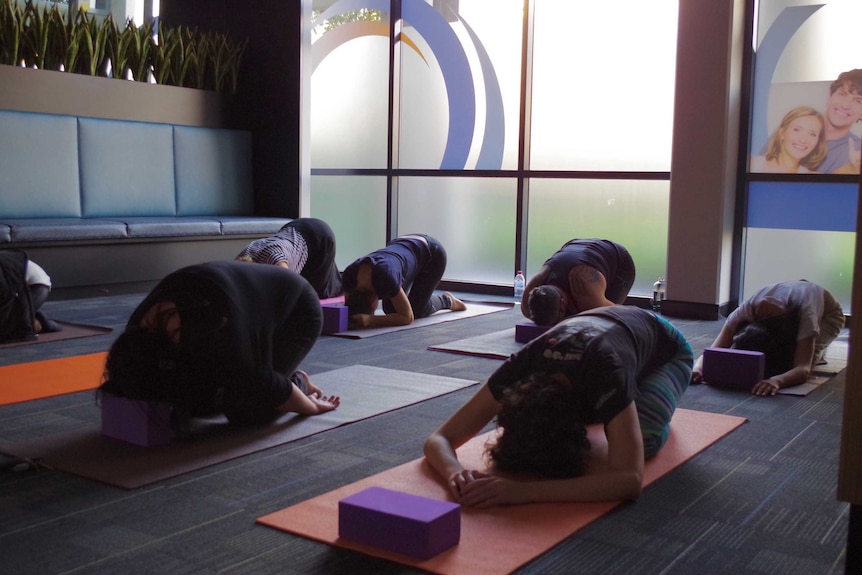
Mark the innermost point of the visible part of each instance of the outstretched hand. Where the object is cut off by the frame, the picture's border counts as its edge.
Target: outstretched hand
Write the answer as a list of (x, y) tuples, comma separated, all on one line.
[(489, 491), (316, 396), (311, 401), (765, 387), (325, 404), (458, 481)]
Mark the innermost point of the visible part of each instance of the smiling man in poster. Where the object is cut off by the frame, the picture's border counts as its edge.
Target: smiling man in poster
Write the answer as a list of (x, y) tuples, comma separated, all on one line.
[(843, 111)]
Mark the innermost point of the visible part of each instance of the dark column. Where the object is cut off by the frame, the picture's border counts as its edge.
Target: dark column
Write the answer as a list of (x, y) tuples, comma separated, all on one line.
[(267, 102), (853, 561)]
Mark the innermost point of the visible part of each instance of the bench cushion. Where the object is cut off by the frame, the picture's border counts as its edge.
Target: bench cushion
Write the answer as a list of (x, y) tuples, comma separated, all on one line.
[(127, 168), (158, 227), (38, 166), (231, 225), (61, 229), (213, 172)]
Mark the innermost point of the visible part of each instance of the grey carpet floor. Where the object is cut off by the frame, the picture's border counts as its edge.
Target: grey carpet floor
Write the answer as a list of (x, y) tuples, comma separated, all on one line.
[(761, 500)]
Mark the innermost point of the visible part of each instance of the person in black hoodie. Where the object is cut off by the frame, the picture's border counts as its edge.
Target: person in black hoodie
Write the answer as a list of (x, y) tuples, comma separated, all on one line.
[(222, 337)]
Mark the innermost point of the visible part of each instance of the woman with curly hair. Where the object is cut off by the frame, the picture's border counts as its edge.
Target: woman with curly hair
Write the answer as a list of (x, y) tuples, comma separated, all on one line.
[(621, 366)]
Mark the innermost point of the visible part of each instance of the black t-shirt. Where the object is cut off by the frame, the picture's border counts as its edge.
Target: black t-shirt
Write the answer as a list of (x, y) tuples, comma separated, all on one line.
[(392, 268), (603, 352), (604, 255), (228, 313)]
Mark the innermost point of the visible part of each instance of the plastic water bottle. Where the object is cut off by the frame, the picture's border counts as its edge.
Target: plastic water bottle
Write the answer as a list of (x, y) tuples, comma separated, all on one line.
[(659, 293), (520, 284)]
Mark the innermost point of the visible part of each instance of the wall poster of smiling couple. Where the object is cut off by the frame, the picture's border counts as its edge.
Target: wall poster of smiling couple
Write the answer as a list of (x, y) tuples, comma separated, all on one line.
[(819, 131)]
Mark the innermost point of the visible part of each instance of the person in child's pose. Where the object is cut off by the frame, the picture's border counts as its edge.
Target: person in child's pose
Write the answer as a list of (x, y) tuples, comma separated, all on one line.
[(792, 323), (222, 337), (304, 245), (621, 366), (581, 275), (404, 274)]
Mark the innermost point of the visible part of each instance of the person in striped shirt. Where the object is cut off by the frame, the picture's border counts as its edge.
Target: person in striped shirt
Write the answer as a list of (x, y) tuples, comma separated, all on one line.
[(304, 245)]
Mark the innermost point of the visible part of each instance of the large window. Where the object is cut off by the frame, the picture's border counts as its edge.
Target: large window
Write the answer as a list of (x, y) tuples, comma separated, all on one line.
[(502, 127), (806, 124)]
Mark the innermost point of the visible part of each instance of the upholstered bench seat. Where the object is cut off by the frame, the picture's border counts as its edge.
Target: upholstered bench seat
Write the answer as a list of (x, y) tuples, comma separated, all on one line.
[(25, 230), (233, 225), (124, 201)]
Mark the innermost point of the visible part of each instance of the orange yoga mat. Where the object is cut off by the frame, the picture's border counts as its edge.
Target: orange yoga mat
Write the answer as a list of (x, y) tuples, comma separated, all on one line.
[(38, 379), (497, 540)]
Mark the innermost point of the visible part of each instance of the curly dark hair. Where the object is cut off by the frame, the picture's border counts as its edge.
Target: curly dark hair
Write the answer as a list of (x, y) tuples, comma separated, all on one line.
[(775, 337), (544, 303), (542, 433)]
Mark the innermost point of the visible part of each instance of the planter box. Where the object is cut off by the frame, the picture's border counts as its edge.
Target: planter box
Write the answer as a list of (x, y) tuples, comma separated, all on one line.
[(50, 92)]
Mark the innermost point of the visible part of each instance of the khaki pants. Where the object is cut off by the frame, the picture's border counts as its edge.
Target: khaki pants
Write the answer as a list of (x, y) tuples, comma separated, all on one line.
[(830, 325)]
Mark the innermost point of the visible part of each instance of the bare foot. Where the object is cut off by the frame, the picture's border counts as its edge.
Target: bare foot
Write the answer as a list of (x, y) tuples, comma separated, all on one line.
[(457, 305)]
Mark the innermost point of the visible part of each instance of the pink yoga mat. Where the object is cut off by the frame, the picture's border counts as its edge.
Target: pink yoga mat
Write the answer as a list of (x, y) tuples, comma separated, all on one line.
[(497, 540)]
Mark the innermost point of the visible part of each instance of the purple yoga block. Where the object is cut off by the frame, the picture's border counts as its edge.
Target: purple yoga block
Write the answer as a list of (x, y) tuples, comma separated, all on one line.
[(334, 318), (737, 368), (408, 524), (146, 423), (527, 330)]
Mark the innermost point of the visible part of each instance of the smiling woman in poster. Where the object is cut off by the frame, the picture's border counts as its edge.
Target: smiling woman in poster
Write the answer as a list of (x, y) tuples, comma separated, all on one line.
[(798, 146)]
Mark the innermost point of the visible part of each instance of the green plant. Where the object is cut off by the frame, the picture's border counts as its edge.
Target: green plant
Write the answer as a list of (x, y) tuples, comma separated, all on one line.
[(165, 53), (79, 43), (34, 37), (11, 24), (91, 39), (225, 58), (140, 48), (117, 48), (62, 49), (184, 59), (199, 53)]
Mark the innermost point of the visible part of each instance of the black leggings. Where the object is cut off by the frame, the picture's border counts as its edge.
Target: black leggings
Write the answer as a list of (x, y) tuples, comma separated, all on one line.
[(293, 339), (38, 295), (320, 269), (423, 301)]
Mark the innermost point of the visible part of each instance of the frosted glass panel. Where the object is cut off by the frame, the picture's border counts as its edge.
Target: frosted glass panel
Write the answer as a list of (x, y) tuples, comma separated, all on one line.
[(349, 89), (603, 85), (804, 229), (460, 85), (355, 208), (826, 258), (631, 213), (473, 218)]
